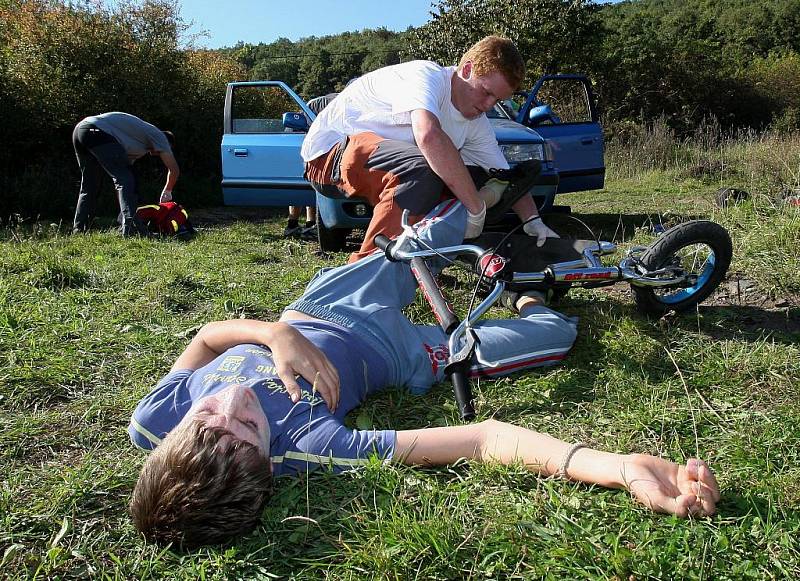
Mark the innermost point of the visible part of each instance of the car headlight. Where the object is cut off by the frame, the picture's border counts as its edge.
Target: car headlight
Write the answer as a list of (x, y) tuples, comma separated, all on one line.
[(517, 152)]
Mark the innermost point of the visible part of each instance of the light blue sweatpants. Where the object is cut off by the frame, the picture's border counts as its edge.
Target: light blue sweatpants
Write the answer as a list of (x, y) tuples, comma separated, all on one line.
[(367, 296)]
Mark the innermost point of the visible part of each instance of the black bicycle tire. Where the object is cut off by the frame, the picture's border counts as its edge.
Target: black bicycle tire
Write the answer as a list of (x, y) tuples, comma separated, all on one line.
[(677, 237)]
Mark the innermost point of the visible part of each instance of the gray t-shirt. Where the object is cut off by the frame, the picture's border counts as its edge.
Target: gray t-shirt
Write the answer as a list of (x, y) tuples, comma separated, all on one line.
[(317, 104), (136, 137)]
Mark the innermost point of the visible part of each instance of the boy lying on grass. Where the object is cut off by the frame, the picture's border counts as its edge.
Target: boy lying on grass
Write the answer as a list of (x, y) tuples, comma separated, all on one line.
[(249, 400)]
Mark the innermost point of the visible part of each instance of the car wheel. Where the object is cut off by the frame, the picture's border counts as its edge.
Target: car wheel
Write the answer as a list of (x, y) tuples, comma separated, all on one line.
[(331, 239)]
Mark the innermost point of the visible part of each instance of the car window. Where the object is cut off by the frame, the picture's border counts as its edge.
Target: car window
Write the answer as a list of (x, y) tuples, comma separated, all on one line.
[(567, 98), (499, 112), (260, 109)]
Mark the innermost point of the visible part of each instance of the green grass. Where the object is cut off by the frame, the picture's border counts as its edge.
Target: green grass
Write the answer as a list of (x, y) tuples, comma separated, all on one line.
[(88, 324)]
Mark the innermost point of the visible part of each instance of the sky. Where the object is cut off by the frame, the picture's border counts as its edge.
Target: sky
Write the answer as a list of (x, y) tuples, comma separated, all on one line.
[(230, 21)]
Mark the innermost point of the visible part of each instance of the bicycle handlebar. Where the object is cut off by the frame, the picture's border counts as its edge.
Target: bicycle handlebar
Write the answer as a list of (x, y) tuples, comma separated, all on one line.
[(457, 371), (463, 394), (441, 309), (383, 242), (449, 323)]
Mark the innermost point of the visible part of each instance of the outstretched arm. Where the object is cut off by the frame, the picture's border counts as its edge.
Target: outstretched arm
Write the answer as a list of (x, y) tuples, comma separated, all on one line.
[(659, 484), (292, 354), (173, 171)]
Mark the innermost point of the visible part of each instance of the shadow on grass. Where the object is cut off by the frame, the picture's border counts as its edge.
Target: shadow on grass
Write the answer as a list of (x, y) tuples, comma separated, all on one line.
[(742, 503), (613, 227), (217, 216), (752, 324), (567, 391), (352, 243)]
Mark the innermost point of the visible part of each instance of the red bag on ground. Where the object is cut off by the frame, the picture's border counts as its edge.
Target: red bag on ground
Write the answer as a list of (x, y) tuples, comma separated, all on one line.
[(167, 218)]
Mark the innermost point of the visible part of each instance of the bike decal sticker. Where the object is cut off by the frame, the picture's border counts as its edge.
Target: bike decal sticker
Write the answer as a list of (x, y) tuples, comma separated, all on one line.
[(438, 355), (588, 275), (491, 264)]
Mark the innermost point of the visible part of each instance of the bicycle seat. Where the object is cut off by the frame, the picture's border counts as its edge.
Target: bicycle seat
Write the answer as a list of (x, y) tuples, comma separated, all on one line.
[(525, 256)]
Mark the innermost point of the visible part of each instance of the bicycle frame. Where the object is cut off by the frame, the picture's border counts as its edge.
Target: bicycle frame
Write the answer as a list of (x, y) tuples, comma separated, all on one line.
[(587, 271), (590, 270)]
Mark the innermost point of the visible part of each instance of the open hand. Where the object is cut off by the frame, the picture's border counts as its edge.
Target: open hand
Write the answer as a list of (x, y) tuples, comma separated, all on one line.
[(664, 486), (294, 355)]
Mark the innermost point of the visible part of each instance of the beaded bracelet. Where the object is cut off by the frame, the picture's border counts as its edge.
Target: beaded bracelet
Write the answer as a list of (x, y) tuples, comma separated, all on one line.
[(562, 466)]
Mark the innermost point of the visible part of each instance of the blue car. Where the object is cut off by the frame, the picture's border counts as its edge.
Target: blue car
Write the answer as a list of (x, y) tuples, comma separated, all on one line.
[(265, 123)]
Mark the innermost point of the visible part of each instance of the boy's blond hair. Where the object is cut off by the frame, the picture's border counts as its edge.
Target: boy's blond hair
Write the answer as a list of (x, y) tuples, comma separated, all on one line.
[(194, 491), (496, 54)]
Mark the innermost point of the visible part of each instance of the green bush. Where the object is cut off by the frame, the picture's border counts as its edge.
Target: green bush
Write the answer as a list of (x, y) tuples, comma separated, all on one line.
[(687, 60), (552, 35), (776, 79), (60, 62), (315, 66)]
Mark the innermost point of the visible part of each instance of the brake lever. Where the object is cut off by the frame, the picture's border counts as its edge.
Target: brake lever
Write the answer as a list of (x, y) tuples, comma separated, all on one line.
[(471, 341)]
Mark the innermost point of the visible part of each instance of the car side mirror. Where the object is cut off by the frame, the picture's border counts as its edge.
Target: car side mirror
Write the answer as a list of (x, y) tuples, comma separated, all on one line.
[(541, 113), (295, 121)]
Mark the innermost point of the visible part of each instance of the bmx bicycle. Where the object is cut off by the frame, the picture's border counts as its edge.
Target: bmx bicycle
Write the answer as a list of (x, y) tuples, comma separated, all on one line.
[(680, 269)]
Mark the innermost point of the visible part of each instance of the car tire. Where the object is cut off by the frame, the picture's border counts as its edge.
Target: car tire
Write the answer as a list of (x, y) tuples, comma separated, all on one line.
[(331, 239), (730, 197)]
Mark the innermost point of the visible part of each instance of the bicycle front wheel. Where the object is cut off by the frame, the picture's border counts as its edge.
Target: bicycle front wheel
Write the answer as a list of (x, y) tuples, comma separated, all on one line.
[(700, 248)]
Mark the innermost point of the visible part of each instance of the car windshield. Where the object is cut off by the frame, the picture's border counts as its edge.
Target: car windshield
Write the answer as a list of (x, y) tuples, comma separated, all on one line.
[(499, 112), (508, 108)]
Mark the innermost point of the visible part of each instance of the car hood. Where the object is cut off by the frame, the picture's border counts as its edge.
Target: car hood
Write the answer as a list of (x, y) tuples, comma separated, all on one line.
[(507, 131)]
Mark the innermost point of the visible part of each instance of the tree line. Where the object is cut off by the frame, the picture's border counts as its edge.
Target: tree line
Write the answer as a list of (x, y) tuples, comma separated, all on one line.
[(737, 61), (317, 65), (681, 61)]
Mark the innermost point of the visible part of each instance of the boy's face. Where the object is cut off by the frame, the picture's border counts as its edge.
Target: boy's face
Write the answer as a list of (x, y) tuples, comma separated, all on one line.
[(475, 95), (237, 409)]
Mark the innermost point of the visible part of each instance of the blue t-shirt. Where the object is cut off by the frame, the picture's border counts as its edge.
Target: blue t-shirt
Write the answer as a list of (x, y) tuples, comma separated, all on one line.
[(303, 436)]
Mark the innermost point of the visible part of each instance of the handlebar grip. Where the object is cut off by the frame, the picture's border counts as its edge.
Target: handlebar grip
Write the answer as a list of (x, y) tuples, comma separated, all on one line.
[(463, 395), (382, 241), (386, 244)]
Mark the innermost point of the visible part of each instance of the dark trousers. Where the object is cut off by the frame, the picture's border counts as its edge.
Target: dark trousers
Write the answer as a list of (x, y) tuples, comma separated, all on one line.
[(96, 150)]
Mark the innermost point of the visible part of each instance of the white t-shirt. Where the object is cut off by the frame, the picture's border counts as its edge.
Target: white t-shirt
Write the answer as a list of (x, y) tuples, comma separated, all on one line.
[(382, 102)]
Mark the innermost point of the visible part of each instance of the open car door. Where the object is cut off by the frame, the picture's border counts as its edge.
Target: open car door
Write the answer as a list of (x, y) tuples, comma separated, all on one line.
[(264, 126), (563, 110)]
